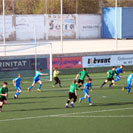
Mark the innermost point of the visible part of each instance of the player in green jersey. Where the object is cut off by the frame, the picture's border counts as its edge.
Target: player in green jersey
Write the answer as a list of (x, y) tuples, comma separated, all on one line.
[(81, 76), (110, 77), (3, 95), (72, 94), (56, 78)]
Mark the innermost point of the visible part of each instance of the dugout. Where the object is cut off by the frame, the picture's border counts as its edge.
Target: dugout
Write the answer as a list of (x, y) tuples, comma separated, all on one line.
[(124, 22)]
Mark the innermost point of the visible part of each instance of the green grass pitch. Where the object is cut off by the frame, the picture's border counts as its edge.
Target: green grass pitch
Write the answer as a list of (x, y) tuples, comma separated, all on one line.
[(45, 112)]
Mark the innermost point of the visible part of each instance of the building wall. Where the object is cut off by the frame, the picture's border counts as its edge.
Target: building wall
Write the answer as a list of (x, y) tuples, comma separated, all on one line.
[(48, 27)]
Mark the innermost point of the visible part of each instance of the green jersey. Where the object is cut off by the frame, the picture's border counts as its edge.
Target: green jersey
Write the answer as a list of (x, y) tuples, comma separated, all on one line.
[(73, 87), (111, 74), (3, 91), (83, 74), (0, 92)]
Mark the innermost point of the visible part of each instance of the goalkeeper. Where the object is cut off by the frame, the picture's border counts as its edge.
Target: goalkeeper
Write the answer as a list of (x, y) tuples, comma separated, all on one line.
[(56, 78)]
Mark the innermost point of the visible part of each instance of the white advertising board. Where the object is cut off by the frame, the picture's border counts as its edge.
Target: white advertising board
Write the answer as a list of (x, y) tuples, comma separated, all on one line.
[(89, 26), (107, 60), (25, 27), (125, 59), (96, 61)]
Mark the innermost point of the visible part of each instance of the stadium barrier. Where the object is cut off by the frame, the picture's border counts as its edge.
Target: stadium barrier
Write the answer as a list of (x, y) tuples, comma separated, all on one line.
[(67, 64)]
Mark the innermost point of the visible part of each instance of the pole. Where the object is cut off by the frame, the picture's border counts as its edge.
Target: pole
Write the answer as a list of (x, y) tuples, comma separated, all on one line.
[(3, 21), (76, 6), (4, 40), (116, 14), (62, 25), (46, 6), (35, 42), (13, 7), (35, 34), (50, 62)]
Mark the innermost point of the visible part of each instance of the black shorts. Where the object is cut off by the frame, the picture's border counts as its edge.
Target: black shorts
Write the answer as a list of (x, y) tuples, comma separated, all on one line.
[(2, 99), (80, 81), (72, 95), (110, 79), (56, 79)]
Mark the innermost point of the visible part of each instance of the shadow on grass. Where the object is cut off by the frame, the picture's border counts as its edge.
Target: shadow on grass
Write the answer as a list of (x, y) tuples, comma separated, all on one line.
[(104, 104), (62, 108), (113, 104), (39, 97), (26, 103), (35, 109)]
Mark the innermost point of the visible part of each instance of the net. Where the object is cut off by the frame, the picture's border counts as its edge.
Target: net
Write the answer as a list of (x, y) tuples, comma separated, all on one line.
[(26, 59)]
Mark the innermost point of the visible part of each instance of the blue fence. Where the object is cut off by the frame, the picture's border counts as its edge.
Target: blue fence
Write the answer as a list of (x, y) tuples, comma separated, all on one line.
[(124, 22)]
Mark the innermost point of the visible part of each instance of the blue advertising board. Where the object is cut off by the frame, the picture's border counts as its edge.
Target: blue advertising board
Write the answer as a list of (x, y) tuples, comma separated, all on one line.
[(22, 64)]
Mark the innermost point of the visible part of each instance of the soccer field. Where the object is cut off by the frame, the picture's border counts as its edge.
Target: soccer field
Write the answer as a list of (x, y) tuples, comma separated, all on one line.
[(39, 112)]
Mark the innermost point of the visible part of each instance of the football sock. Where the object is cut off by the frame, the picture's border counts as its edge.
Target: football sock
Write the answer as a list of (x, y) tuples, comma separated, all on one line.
[(129, 90), (126, 88), (103, 83), (82, 98), (30, 87), (89, 99), (55, 83), (17, 93), (40, 86), (59, 82), (0, 108), (68, 101), (74, 100), (117, 79), (111, 84), (79, 86)]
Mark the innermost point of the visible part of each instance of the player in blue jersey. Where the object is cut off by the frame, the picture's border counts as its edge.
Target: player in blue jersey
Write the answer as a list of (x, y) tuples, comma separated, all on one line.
[(87, 88), (118, 71), (129, 82), (36, 79), (16, 83)]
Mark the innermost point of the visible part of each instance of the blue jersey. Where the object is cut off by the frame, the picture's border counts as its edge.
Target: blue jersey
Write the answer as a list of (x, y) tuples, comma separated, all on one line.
[(17, 81), (38, 73), (130, 78), (119, 70), (87, 86)]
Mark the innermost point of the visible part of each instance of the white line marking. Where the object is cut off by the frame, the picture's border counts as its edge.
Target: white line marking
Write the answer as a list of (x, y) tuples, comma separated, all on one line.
[(67, 115), (99, 116), (104, 96), (99, 111)]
